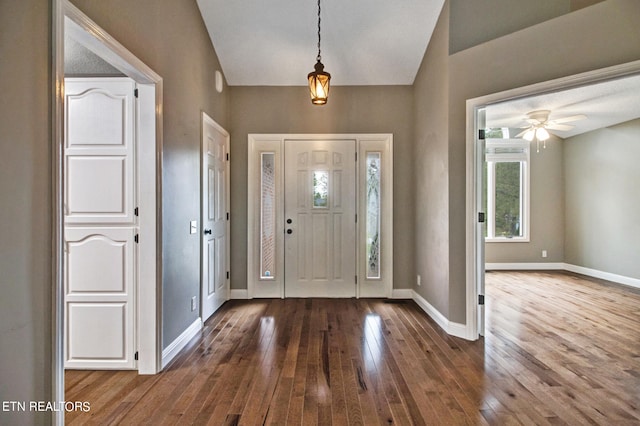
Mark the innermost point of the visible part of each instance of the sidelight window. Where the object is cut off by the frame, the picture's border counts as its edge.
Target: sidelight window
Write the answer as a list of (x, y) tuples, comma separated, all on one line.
[(267, 216), (373, 206)]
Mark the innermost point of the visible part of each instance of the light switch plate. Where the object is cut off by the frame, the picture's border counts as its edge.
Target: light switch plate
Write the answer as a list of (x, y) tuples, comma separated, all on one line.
[(194, 227)]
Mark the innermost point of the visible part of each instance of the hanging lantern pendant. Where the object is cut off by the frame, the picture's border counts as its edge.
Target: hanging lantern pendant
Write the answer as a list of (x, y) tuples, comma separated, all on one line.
[(319, 79), (319, 84)]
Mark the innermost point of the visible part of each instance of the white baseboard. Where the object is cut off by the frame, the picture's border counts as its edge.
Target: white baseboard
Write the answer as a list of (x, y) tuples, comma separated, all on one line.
[(239, 294), (534, 266), (181, 341), (450, 327), (402, 293), (531, 266), (620, 279), (458, 330)]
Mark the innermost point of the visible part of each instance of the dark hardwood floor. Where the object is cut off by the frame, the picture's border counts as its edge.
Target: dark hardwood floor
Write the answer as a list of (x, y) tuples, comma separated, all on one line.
[(559, 349)]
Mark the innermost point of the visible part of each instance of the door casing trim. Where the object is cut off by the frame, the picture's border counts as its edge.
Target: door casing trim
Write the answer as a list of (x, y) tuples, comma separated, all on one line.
[(376, 142)]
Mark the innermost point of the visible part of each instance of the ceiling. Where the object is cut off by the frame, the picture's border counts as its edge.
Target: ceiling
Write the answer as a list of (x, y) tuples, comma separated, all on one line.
[(605, 104), (364, 42)]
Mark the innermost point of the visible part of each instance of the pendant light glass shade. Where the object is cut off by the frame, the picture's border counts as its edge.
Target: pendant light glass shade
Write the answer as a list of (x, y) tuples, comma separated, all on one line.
[(319, 84)]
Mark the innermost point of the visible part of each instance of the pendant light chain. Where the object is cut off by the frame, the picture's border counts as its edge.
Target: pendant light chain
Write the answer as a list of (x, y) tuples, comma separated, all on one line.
[(319, 58)]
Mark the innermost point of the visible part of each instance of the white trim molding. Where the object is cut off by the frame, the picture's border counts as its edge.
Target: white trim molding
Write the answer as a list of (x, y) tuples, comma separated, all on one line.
[(620, 279), (452, 328), (594, 273), (180, 342), (530, 266)]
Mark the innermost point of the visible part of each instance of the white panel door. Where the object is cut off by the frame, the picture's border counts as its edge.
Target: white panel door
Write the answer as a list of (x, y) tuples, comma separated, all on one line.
[(99, 298), (100, 223), (320, 213), (214, 217)]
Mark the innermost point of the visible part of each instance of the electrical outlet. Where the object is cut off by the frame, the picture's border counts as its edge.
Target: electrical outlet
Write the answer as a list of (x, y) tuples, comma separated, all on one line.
[(194, 303), (544, 253), (418, 280)]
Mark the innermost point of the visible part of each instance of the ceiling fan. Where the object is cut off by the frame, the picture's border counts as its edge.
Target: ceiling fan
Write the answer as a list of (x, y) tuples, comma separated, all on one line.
[(539, 125)]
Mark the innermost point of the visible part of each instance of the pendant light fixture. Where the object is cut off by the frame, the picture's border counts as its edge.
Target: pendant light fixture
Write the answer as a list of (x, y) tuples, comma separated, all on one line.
[(319, 79)]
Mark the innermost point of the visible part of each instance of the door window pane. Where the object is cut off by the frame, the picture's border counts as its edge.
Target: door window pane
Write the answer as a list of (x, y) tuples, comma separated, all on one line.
[(320, 189)]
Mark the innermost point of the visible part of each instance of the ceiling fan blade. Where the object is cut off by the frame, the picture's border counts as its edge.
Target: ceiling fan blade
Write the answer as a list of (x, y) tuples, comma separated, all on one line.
[(568, 119), (561, 127), (532, 121), (519, 135)]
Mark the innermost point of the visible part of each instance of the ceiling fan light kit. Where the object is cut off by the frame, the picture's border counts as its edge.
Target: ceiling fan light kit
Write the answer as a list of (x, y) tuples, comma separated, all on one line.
[(319, 79), (539, 124)]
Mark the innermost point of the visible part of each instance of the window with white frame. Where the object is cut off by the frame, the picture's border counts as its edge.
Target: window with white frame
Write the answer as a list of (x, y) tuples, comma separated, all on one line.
[(506, 198)]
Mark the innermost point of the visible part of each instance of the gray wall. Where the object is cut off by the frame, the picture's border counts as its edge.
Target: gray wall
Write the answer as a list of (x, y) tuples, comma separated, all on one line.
[(174, 42), (546, 212), (603, 199), (360, 109), (25, 218), (475, 22), (431, 169)]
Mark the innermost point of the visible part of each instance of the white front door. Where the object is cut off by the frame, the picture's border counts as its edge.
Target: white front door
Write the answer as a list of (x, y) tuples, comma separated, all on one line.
[(215, 177), (100, 223), (320, 218)]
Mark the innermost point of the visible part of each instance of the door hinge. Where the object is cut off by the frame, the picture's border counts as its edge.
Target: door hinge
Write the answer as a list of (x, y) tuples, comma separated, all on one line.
[(356, 156), (481, 134), (135, 93), (481, 217), (227, 156), (227, 215), (356, 279), (135, 211), (136, 238), (356, 217), (227, 274), (136, 356), (481, 299)]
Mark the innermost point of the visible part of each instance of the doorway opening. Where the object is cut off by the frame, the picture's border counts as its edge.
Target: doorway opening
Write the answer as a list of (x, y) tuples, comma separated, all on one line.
[(480, 120), (320, 216), (71, 26)]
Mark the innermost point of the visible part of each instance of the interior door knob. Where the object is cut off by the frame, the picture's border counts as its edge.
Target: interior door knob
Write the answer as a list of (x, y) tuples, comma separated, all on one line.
[(207, 231), (289, 221)]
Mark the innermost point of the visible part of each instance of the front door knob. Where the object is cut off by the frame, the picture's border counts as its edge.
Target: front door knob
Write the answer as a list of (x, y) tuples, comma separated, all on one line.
[(207, 231)]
